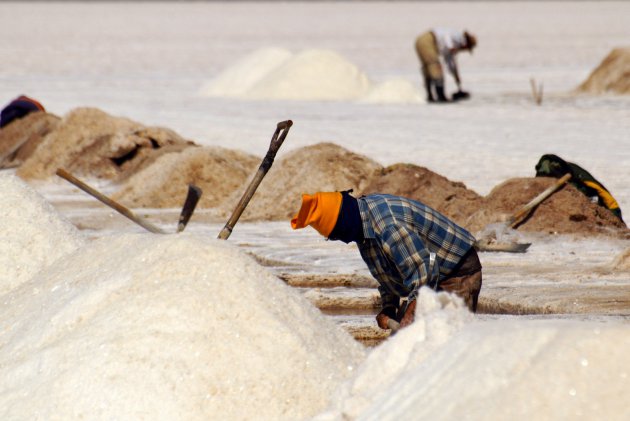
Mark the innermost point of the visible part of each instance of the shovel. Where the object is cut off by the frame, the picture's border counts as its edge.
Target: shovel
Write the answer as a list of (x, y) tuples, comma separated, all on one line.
[(281, 132), (109, 202), (192, 198), (489, 243), (194, 193)]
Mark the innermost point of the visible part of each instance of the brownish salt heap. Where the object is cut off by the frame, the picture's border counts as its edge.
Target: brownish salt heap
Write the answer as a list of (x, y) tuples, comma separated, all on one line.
[(153, 167), (92, 143), (612, 75), (217, 171), (451, 198), (320, 167), (21, 137), (567, 211)]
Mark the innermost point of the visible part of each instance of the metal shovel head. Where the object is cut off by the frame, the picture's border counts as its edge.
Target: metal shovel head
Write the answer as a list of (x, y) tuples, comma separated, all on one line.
[(502, 247)]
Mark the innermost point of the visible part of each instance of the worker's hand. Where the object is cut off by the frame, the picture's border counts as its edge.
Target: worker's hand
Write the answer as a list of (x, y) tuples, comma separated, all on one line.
[(409, 316), (385, 314)]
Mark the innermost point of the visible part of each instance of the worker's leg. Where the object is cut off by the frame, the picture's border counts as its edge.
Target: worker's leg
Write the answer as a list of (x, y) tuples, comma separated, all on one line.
[(428, 85), (466, 280), (427, 51), (439, 90)]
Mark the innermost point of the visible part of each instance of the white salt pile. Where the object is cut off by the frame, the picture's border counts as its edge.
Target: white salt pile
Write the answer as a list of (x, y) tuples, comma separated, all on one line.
[(394, 91), (313, 75), (32, 236), (444, 367), (240, 77), (165, 327), (309, 75), (438, 316)]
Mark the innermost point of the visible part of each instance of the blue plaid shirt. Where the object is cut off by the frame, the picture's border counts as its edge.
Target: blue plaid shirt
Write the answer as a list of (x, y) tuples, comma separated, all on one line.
[(407, 245)]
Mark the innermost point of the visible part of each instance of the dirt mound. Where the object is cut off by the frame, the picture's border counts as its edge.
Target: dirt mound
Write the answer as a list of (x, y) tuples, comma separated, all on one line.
[(567, 211), (92, 143), (612, 75), (164, 184), (451, 198), (320, 167), (21, 137)]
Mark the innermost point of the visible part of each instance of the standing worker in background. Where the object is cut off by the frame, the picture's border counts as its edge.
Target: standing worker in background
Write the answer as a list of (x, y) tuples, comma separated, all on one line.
[(406, 245), (445, 43)]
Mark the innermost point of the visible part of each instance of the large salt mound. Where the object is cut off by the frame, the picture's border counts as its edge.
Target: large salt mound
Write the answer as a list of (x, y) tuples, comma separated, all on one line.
[(33, 235), (320, 167), (451, 198), (239, 78), (217, 171), (90, 142), (446, 366), (164, 327), (309, 75), (21, 137), (567, 211), (612, 75), (313, 75)]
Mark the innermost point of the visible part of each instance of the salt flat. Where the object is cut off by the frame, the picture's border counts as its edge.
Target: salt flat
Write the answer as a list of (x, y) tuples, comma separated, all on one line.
[(150, 61)]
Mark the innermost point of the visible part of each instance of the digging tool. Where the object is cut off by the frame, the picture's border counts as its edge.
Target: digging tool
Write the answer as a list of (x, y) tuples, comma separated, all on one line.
[(276, 141), (192, 198), (490, 244), (522, 213), (393, 325), (109, 202)]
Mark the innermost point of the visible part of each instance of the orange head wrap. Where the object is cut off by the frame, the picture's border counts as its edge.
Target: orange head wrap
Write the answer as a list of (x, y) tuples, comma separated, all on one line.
[(320, 211)]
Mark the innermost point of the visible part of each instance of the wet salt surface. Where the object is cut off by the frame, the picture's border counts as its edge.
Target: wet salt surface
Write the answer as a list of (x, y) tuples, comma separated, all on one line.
[(571, 272)]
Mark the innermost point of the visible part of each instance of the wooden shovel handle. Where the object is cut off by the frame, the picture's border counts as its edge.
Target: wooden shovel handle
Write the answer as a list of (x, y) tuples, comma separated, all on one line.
[(276, 141), (525, 210), (109, 202)]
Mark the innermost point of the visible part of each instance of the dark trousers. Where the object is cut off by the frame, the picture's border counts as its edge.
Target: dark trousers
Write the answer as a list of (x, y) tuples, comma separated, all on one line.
[(465, 280)]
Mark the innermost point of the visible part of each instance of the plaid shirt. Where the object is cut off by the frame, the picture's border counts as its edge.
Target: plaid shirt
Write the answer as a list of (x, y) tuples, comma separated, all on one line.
[(407, 245)]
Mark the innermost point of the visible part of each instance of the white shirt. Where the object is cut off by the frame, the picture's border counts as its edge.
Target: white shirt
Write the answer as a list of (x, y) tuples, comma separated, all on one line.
[(446, 40)]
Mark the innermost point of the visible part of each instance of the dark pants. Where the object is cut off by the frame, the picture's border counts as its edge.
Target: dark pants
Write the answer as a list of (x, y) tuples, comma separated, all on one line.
[(465, 280)]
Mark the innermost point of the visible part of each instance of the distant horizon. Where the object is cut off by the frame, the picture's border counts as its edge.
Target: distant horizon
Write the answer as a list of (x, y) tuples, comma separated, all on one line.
[(312, 1)]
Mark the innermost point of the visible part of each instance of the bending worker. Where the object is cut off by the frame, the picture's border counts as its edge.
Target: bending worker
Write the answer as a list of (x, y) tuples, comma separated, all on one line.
[(445, 43), (405, 244)]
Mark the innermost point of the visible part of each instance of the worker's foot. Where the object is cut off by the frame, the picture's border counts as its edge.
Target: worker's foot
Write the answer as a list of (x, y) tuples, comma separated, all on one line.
[(459, 95), (439, 90)]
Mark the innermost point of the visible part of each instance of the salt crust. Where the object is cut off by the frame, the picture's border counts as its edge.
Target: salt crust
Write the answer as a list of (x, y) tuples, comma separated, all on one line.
[(166, 327), (32, 235)]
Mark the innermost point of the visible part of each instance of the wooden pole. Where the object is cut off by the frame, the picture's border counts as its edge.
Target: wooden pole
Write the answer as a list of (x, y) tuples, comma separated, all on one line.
[(109, 202), (519, 215)]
